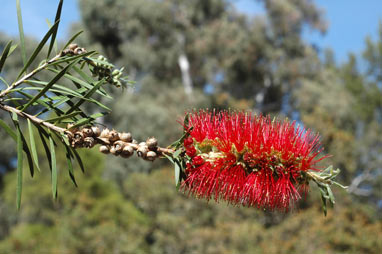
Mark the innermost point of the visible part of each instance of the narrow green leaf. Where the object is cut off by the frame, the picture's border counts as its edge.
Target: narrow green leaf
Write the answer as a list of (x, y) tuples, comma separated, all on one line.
[(183, 169), (45, 145), (14, 99), (177, 174), (86, 83), (72, 39), (56, 21), (186, 121), (56, 86), (19, 186), (169, 158), (87, 95), (67, 121), (21, 32), (12, 49), (54, 167), (58, 89), (28, 154), (324, 207), (70, 165), (59, 118), (46, 134), (33, 145), (65, 139), (44, 104), (50, 84), (53, 98), (83, 75), (89, 80), (63, 99), (78, 158), (178, 143), (8, 130), (90, 119), (19, 143), (24, 143), (328, 169), (101, 62), (5, 54), (68, 59), (4, 81), (55, 43), (38, 48), (330, 194), (340, 185), (99, 104), (82, 65), (177, 153), (69, 102)]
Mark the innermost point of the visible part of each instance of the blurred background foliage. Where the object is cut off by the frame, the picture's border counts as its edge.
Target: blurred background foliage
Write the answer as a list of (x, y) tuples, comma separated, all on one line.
[(204, 54)]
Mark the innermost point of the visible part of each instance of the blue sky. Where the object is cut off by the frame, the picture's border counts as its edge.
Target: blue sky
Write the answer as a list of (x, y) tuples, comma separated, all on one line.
[(35, 13), (350, 21)]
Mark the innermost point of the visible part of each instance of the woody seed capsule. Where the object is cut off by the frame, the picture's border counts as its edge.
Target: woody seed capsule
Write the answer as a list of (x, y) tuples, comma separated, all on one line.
[(152, 143), (96, 131), (125, 136), (104, 133), (87, 132), (151, 155), (73, 46), (104, 149), (70, 127), (89, 142), (127, 151), (103, 141), (78, 136), (142, 151), (65, 52), (119, 145), (113, 151), (113, 136), (78, 51)]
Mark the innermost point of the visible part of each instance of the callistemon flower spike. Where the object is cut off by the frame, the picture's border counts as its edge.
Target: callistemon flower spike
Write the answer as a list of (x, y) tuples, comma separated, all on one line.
[(250, 160)]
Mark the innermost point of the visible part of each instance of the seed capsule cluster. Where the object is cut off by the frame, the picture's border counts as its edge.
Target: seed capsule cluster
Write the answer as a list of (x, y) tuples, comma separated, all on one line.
[(73, 49), (103, 69), (99, 67), (113, 142)]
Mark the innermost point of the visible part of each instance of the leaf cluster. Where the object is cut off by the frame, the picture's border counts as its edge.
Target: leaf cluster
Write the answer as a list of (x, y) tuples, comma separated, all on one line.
[(51, 97)]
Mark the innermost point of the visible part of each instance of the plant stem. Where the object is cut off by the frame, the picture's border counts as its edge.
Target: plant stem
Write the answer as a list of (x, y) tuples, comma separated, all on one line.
[(318, 178), (34, 119), (67, 132), (28, 76), (162, 150)]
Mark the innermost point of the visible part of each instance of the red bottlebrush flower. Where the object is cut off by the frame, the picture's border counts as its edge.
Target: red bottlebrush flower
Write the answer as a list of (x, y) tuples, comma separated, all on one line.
[(248, 160), (197, 160), (188, 142), (191, 151)]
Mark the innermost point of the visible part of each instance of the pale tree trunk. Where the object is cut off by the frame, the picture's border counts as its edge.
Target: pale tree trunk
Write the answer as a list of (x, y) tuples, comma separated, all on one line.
[(184, 66)]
